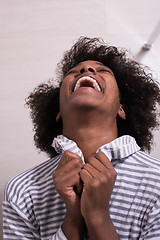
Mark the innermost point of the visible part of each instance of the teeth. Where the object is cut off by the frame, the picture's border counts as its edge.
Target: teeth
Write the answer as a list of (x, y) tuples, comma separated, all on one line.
[(95, 84)]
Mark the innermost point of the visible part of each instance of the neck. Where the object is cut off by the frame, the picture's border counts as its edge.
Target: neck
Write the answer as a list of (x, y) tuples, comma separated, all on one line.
[(90, 133)]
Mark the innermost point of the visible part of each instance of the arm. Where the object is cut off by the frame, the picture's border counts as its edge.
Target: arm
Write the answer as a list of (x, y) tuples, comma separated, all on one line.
[(98, 176), (68, 185)]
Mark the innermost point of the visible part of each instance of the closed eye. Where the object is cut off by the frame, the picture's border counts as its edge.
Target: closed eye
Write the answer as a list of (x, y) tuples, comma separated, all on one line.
[(71, 71), (104, 70)]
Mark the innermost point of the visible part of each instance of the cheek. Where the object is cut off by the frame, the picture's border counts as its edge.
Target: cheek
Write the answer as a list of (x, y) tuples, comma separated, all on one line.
[(114, 96), (63, 99), (114, 90), (65, 86), (117, 96), (63, 89)]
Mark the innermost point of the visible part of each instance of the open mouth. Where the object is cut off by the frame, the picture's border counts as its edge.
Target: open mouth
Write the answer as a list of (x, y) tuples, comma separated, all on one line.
[(87, 81)]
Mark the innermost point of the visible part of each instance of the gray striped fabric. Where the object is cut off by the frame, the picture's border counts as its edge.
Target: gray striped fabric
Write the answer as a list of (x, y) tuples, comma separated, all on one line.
[(33, 209)]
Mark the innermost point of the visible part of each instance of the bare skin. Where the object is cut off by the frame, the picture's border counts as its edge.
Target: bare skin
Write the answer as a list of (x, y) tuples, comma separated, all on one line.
[(66, 177), (89, 119)]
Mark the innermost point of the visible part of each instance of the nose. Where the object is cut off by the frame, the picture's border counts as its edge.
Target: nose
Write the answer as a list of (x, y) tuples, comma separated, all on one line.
[(87, 68)]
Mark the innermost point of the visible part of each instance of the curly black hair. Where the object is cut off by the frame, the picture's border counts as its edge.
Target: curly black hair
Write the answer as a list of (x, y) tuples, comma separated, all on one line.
[(139, 94)]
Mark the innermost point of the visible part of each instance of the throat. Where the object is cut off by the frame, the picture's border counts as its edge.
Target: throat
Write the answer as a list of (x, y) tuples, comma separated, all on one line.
[(89, 130), (90, 139)]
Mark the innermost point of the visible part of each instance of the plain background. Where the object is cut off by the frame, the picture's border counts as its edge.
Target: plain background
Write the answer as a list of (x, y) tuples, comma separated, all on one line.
[(33, 37)]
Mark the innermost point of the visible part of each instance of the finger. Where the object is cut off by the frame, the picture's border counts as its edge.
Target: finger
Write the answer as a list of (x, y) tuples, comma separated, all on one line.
[(101, 157), (66, 182), (94, 162), (75, 164), (78, 187), (94, 172), (85, 176), (62, 176), (67, 156)]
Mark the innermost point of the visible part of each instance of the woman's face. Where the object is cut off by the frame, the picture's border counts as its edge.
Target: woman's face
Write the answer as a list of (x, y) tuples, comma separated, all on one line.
[(89, 85)]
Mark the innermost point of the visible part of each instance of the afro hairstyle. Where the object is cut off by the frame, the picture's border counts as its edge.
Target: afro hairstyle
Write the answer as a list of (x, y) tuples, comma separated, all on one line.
[(139, 94)]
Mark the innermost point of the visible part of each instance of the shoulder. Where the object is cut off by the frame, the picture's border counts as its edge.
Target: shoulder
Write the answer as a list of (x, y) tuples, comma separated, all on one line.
[(144, 167), (140, 165), (33, 177), (147, 160)]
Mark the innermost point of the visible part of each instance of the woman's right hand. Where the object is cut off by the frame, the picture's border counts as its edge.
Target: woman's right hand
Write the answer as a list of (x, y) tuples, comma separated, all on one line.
[(69, 186)]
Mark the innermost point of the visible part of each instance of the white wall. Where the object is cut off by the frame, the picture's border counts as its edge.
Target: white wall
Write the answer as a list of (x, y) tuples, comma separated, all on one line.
[(33, 36)]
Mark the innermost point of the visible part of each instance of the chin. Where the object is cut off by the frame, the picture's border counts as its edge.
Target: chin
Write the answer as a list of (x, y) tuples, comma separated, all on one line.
[(87, 106)]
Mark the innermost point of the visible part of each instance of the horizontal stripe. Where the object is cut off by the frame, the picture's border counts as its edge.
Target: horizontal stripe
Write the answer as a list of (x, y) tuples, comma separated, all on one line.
[(33, 209)]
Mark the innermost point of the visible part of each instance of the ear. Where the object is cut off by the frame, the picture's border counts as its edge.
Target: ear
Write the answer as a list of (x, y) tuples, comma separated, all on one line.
[(121, 112), (58, 117)]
